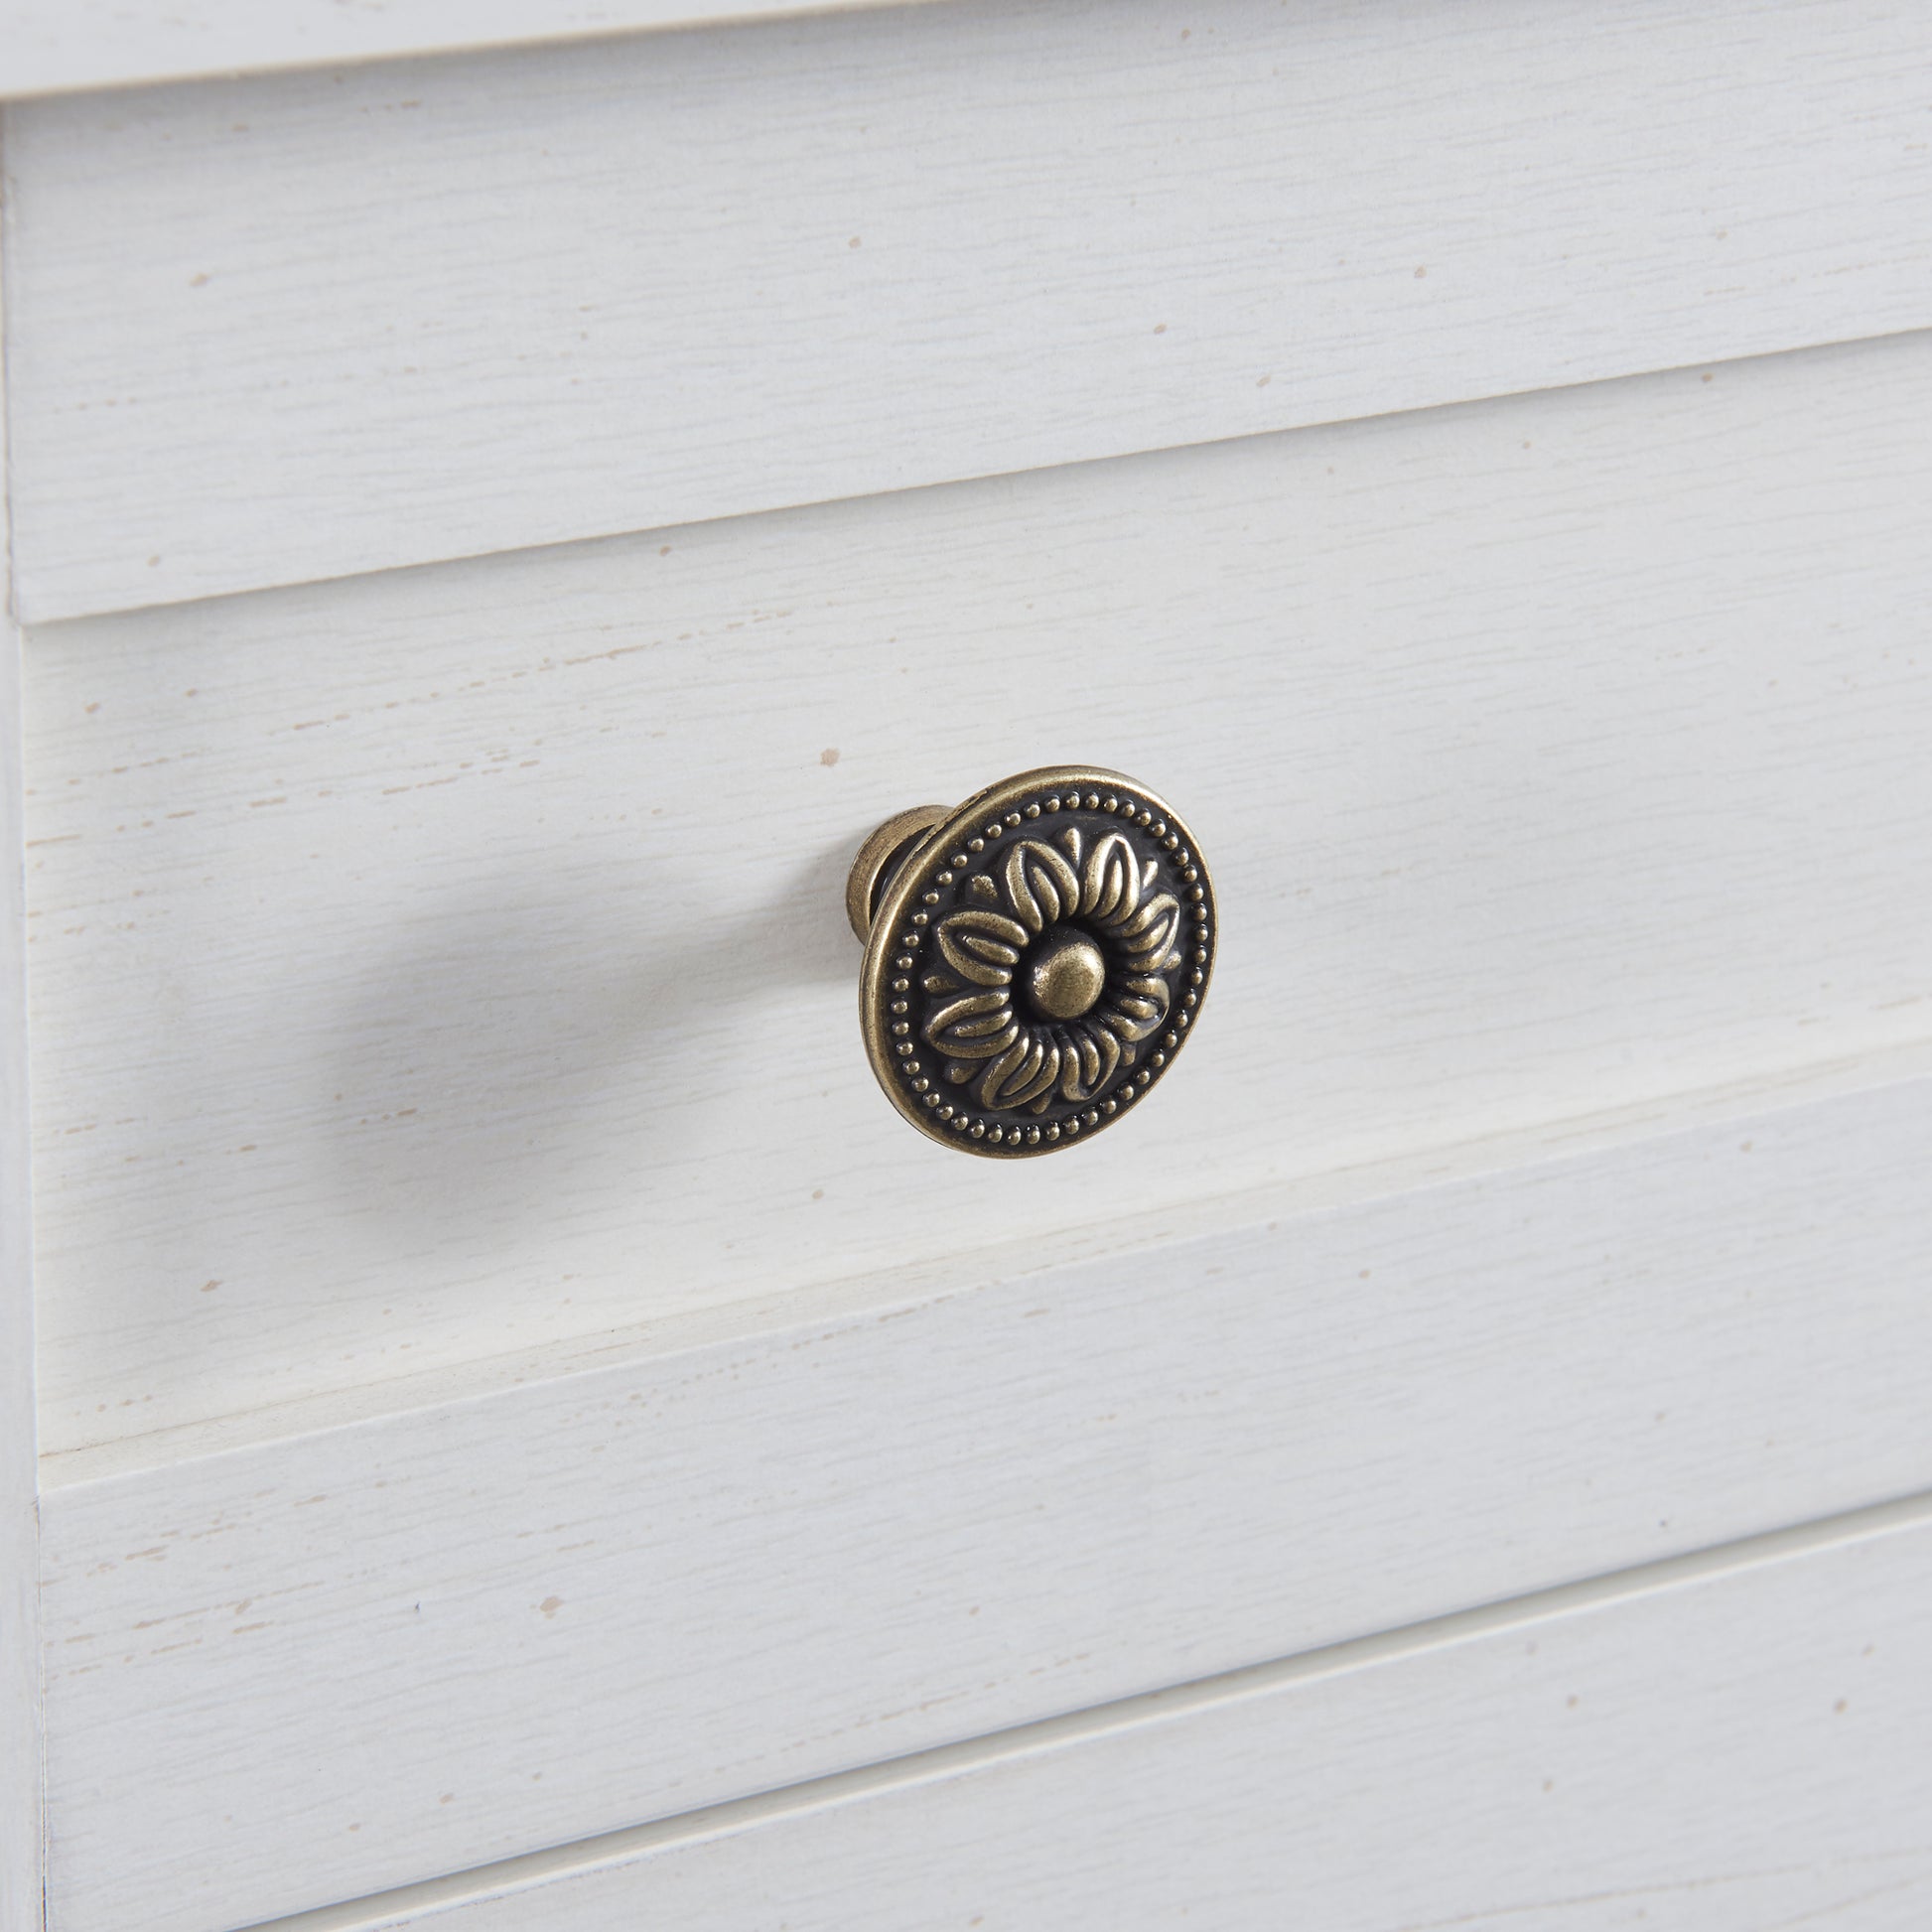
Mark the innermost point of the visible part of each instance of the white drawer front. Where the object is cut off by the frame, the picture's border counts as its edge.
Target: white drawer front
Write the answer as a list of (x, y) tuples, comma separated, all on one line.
[(354, 1656), (453, 962), (526, 1436), (1742, 1751), (284, 328)]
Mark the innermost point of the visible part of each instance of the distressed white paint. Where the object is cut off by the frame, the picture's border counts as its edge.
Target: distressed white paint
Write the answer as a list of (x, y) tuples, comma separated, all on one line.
[(453, 962), (1738, 1752), (308, 325), (351, 1658), (59, 46), (438, 981), (20, 1754)]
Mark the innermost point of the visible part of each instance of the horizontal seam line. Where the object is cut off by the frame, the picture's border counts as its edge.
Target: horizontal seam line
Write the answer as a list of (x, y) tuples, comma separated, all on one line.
[(1489, 1156), (578, 1856), (86, 612)]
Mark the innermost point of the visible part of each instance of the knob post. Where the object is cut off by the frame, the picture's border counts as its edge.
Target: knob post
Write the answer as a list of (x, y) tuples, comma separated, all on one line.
[(880, 859)]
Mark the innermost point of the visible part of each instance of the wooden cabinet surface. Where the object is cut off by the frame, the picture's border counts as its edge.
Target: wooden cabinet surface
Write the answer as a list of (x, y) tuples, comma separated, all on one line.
[(501, 1423)]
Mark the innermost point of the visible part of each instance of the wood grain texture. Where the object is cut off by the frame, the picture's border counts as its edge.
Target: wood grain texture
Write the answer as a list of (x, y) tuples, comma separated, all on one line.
[(20, 1750), (451, 963), (362, 1656), (301, 326), (61, 45), (1737, 1752)]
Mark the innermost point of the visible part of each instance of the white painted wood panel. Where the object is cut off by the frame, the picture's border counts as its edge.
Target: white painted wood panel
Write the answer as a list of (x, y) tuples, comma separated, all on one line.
[(20, 1754), (453, 962), (349, 1657), (1739, 1751), (300, 326), (59, 46)]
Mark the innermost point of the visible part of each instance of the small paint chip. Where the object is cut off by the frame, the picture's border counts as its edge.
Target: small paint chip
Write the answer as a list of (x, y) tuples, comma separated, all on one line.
[(1264, 382), (551, 1605), (197, 281), (208, 1288), (818, 1193), (1159, 327), (854, 242), (1705, 378), (830, 754)]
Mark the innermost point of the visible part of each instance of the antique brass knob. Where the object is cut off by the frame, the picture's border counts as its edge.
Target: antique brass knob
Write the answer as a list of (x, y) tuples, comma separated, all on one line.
[(1034, 958)]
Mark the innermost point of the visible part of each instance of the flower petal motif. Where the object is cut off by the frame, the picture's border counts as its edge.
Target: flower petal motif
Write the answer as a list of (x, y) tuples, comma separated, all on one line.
[(1042, 887), (1137, 1009), (1088, 1062), (973, 1028), (1026, 1071), (1112, 887), (1146, 938), (1014, 1061), (981, 946)]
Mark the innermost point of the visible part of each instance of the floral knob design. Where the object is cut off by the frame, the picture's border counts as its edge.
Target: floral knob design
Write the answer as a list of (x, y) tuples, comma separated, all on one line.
[(1034, 959)]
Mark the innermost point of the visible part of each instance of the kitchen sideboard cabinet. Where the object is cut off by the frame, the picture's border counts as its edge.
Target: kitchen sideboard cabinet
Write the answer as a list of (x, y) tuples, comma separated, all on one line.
[(503, 1424)]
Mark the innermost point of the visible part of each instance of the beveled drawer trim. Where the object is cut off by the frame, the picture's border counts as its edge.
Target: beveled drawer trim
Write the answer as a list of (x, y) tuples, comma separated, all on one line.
[(66, 45), (303, 326)]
